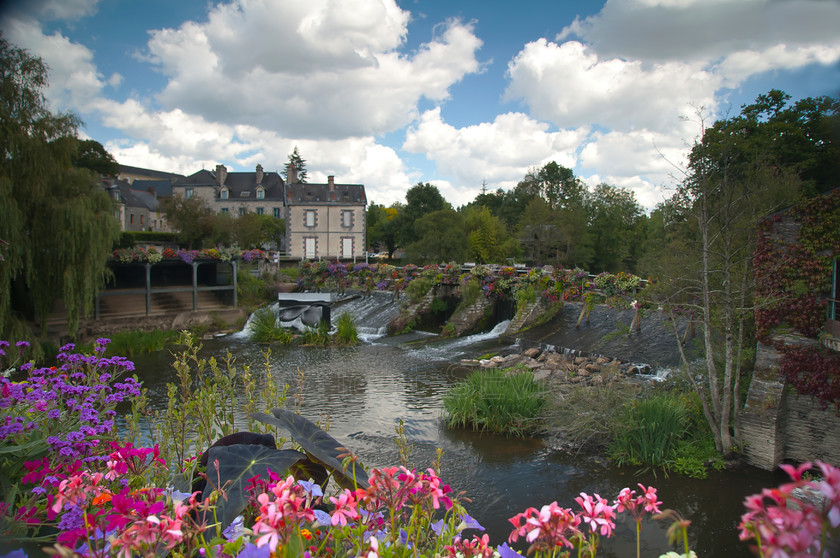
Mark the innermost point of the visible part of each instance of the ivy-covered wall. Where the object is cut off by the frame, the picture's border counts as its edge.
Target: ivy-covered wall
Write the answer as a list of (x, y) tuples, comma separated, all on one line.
[(793, 265)]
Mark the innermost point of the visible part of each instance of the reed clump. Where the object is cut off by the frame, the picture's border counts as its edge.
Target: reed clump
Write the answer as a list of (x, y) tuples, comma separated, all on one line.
[(505, 402)]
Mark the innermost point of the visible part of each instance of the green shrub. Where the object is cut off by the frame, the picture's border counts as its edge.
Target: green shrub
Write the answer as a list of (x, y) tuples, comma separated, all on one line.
[(133, 343), (265, 329), (471, 291), (316, 335), (252, 291), (346, 333), (524, 296), (438, 305), (502, 401), (417, 289), (652, 433)]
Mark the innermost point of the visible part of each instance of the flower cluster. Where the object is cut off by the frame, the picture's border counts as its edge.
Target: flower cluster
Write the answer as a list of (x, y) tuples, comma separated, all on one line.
[(151, 255), (553, 527), (796, 518)]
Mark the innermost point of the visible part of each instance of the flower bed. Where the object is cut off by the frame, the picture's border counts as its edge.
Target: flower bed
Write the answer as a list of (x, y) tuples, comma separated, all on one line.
[(72, 481)]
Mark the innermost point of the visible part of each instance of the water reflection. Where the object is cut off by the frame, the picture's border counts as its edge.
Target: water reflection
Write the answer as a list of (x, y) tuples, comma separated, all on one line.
[(363, 391)]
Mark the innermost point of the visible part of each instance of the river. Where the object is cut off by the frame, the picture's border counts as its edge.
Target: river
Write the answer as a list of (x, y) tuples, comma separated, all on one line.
[(363, 391)]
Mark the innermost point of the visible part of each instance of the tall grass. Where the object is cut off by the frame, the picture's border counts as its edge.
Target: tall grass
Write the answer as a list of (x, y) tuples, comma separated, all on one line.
[(653, 430), (265, 329), (346, 333), (133, 343), (502, 401)]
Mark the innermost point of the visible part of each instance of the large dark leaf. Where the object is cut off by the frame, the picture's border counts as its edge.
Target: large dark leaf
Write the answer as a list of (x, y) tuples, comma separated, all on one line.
[(307, 469), (251, 438), (237, 464), (319, 446)]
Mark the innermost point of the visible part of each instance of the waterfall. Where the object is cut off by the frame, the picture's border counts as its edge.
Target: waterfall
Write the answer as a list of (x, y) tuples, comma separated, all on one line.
[(371, 314)]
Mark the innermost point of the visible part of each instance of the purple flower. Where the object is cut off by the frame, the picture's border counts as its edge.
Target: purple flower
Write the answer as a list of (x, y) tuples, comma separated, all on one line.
[(507, 552), (54, 414), (4, 343), (68, 347), (253, 551), (23, 344), (311, 488), (322, 517), (468, 522), (71, 519)]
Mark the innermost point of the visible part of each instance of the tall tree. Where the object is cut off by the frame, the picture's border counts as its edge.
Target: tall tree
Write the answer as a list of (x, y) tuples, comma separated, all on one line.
[(489, 240), (197, 224), (421, 199), (614, 216), (91, 155), (724, 194), (441, 237), (56, 220), (383, 227), (300, 166)]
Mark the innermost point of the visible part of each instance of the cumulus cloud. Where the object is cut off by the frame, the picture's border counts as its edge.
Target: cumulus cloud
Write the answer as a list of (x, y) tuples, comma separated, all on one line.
[(74, 81), (705, 30), (499, 152), (326, 69), (570, 85)]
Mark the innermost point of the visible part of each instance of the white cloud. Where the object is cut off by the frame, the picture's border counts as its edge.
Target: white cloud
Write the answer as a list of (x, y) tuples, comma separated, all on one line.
[(74, 81), (499, 152), (307, 70), (704, 30), (570, 86)]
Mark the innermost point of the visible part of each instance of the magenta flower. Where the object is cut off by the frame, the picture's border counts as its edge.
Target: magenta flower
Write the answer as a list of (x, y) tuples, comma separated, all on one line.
[(345, 508), (597, 513)]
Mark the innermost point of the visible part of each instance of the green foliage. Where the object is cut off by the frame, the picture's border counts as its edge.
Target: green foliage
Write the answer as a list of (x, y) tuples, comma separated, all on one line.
[(202, 405), (653, 428), (417, 289), (317, 335), (421, 199), (438, 305), (252, 291), (56, 224), (345, 330), (300, 166), (470, 291), (265, 329), (131, 343), (666, 430), (92, 156), (502, 401), (440, 236), (524, 296)]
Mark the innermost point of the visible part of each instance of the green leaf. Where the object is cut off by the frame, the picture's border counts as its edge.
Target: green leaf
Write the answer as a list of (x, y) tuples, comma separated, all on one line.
[(319, 446), (237, 464)]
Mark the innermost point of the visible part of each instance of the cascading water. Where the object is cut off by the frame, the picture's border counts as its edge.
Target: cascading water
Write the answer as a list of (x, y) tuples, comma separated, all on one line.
[(371, 314)]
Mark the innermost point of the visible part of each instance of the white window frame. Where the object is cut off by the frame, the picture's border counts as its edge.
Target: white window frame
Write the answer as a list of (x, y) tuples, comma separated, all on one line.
[(310, 218), (347, 218), (188, 193), (223, 194), (346, 246), (310, 247), (260, 194)]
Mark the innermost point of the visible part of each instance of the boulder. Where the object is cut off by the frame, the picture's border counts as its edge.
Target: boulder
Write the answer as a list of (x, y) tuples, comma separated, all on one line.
[(533, 352)]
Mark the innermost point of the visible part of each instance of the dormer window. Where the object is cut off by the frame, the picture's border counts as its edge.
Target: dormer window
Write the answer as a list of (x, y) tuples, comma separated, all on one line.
[(224, 193), (245, 194), (260, 193)]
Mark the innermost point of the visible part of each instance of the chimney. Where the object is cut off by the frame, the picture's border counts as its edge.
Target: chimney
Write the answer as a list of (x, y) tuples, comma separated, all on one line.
[(259, 175), (331, 182), (221, 175), (291, 174)]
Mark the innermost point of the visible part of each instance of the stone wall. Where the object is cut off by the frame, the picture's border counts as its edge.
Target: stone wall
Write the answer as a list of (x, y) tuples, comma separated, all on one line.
[(778, 424)]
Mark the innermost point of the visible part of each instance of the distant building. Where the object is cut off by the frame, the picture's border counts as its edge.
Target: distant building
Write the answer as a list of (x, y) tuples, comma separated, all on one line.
[(322, 220), (137, 209)]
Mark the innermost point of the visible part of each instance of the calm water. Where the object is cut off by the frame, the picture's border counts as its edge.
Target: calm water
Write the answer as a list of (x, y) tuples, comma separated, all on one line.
[(365, 390)]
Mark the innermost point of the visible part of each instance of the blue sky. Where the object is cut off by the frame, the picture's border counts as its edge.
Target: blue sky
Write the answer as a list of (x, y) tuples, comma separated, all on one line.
[(453, 92)]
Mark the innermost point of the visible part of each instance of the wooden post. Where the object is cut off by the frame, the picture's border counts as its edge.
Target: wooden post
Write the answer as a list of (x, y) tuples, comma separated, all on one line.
[(148, 289), (235, 287), (195, 286)]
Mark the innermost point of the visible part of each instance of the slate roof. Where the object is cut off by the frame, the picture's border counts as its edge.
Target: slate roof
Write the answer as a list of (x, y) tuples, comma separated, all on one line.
[(237, 183), (304, 193), (160, 175), (132, 197), (162, 187)]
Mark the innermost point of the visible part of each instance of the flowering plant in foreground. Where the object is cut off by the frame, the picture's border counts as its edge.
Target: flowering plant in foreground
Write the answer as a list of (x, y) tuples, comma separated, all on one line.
[(106, 497)]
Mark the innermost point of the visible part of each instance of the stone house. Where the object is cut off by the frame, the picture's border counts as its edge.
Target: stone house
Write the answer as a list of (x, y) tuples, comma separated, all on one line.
[(137, 206), (324, 220)]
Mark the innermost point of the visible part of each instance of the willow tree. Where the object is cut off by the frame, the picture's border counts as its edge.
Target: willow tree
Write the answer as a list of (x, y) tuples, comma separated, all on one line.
[(57, 225)]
